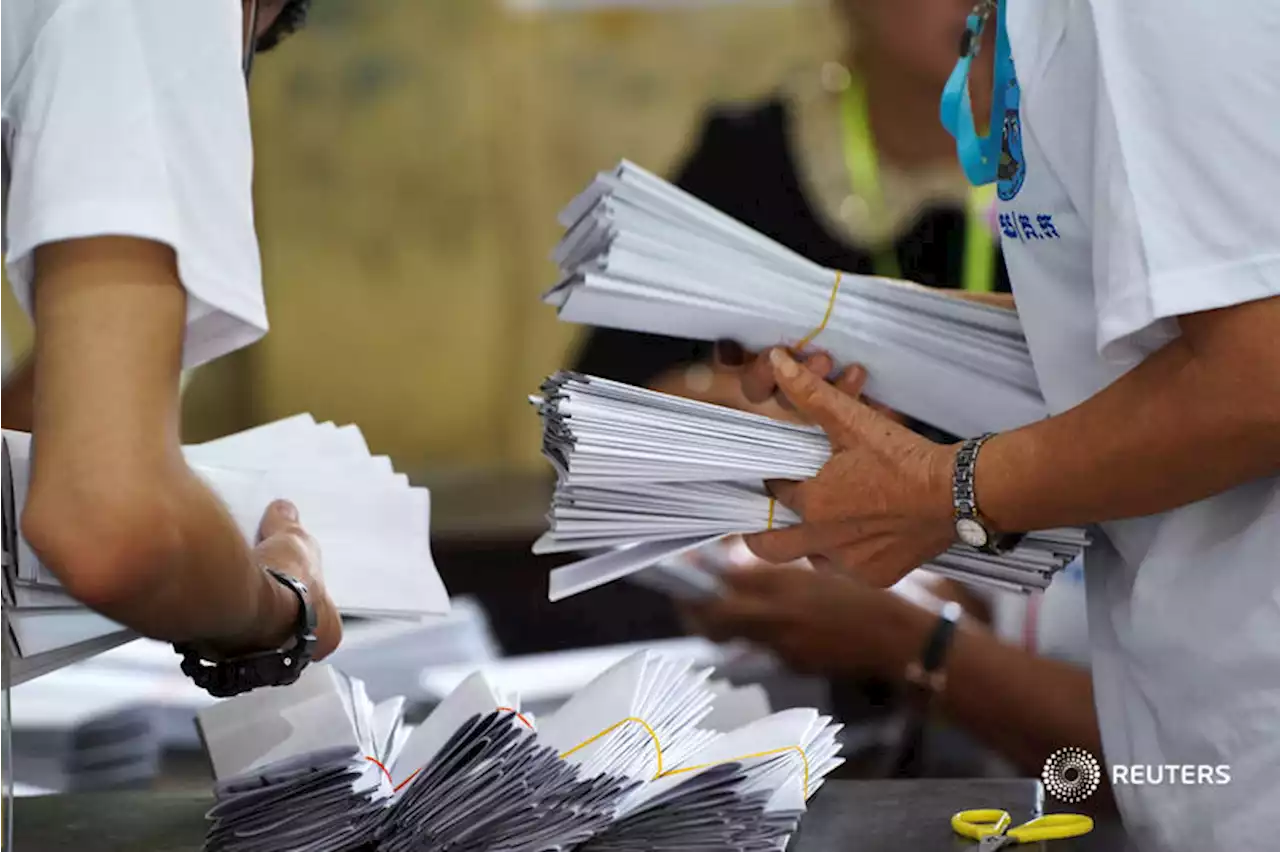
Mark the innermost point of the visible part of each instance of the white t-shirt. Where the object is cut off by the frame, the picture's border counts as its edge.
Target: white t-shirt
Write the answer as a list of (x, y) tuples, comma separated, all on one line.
[(1052, 623), (131, 118), (1146, 187)]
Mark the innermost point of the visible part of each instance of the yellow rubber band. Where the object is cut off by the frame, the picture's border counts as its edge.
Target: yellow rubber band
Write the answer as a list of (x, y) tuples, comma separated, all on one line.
[(652, 734), (773, 502), (831, 303), (803, 757), (658, 748)]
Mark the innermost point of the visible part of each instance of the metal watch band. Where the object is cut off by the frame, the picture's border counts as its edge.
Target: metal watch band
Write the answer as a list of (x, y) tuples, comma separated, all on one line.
[(971, 527), (279, 667), (962, 490)]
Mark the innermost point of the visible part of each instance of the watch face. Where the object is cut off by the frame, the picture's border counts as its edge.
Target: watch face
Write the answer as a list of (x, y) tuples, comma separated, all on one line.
[(971, 532)]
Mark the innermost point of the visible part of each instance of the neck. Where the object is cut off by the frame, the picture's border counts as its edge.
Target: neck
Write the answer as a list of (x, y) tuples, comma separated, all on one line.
[(903, 113)]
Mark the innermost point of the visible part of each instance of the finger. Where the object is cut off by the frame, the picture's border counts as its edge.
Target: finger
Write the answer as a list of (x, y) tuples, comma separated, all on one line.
[(291, 552), (822, 563), (280, 516), (819, 363), (758, 383), (729, 353), (792, 543), (819, 401), (787, 492), (851, 380)]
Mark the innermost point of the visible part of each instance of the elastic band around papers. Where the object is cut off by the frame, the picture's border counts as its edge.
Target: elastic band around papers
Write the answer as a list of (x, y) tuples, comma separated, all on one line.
[(518, 714), (657, 746), (803, 757), (773, 504), (398, 787), (831, 303)]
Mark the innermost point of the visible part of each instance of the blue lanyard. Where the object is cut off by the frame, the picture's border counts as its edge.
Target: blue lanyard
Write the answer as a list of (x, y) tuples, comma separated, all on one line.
[(979, 155)]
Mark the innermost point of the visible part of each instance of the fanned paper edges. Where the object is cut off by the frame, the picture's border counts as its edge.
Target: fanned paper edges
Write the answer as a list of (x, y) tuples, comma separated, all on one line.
[(624, 764), (647, 476), (644, 478), (640, 254), (371, 524)]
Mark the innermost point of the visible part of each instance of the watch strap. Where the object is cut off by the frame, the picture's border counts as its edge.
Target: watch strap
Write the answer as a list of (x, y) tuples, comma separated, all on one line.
[(925, 678), (279, 667), (963, 495), (965, 499), (927, 672)]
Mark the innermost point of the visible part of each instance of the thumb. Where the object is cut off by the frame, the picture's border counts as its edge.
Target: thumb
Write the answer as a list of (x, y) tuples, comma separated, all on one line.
[(280, 516), (818, 400)]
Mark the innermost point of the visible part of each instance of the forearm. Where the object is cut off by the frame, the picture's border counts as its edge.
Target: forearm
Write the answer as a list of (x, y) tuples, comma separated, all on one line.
[(161, 556), (1184, 425), (19, 387), (113, 510), (1020, 705)]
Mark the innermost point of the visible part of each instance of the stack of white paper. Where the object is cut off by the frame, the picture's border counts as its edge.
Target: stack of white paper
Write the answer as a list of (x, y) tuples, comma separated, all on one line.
[(642, 255), (658, 475), (372, 528), (628, 763)]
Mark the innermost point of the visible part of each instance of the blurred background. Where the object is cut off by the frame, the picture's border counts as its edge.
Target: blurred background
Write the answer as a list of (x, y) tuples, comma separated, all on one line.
[(411, 157)]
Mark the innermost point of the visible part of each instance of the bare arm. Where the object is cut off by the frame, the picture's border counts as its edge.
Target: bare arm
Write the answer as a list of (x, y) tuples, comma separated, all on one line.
[(1196, 418), (1021, 705), (19, 386), (114, 511)]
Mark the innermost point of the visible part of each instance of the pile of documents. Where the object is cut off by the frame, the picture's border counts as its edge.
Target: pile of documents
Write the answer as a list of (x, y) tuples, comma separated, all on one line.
[(628, 763), (371, 525), (647, 476), (642, 255)]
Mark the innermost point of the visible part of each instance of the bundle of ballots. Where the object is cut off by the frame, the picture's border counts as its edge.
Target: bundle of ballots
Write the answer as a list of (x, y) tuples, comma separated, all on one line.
[(645, 476), (371, 525), (642, 255), (629, 762)]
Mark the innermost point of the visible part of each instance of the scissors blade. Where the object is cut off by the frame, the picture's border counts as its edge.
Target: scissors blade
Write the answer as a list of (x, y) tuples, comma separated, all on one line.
[(992, 842)]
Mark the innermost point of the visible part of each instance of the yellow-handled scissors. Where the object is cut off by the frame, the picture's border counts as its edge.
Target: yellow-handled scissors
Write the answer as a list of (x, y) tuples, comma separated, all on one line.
[(990, 827)]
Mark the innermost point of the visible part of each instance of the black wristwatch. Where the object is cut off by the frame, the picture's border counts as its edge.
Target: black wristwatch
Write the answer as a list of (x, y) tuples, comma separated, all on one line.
[(927, 672), (283, 666), (971, 527)]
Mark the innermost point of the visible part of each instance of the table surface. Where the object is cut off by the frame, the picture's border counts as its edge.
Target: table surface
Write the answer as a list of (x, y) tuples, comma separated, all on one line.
[(868, 816)]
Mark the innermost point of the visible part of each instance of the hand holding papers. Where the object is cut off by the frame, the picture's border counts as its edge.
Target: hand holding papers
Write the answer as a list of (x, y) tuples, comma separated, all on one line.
[(372, 528), (642, 255), (629, 763), (657, 475)]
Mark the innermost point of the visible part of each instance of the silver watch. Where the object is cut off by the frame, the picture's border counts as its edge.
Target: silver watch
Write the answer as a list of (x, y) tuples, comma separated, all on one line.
[(971, 527)]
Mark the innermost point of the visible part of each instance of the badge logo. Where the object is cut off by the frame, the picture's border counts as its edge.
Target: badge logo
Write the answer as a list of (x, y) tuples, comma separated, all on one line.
[(1071, 774), (1013, 166)]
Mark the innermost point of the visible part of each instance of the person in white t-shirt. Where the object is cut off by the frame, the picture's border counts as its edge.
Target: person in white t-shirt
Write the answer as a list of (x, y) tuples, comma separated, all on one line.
[(129, 238), (1138, 183)]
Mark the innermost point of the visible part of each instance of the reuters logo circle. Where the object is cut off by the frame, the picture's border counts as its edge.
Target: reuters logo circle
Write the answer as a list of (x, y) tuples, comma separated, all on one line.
[(1071, 774)]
